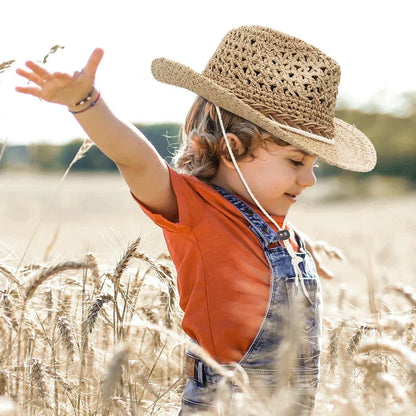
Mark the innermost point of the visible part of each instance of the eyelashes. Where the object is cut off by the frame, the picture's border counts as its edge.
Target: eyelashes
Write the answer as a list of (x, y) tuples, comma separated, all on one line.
[(300, 163), (296, 162)]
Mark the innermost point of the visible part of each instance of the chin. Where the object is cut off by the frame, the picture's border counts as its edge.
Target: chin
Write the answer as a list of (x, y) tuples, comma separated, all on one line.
[(279, 212)]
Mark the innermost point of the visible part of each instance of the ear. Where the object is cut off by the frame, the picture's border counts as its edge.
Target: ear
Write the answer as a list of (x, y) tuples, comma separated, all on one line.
[(236, 147)]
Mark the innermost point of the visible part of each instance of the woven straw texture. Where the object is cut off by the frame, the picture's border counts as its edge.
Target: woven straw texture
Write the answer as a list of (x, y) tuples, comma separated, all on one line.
[(276, 80)]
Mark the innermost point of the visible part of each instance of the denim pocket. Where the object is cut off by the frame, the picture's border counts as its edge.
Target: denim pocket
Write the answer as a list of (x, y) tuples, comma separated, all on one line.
[(197, 396)]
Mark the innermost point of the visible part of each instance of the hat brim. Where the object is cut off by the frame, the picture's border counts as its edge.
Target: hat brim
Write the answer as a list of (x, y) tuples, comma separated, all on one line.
[(352, 149)]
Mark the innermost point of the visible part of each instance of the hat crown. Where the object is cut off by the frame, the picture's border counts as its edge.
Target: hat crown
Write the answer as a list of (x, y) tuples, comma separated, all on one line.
[(281, 76)]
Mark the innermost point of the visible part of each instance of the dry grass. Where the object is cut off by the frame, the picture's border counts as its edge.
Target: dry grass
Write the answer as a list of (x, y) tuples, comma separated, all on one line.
[(81, 339), (81, 343)]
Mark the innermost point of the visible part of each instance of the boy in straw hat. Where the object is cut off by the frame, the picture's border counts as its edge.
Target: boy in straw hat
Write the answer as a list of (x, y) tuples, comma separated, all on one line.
[(249, 288)]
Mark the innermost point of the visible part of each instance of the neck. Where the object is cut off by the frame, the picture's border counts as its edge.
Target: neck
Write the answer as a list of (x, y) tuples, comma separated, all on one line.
[(230, 181)]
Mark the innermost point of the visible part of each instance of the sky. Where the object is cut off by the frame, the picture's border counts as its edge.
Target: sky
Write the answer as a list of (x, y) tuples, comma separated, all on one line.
[(373, 41)]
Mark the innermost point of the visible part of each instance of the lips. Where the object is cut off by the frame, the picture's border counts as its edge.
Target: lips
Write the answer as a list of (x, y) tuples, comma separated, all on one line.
[(293, 197)]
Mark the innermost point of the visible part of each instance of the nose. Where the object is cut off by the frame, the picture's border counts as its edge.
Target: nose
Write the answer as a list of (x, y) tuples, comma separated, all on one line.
[(306, 177)]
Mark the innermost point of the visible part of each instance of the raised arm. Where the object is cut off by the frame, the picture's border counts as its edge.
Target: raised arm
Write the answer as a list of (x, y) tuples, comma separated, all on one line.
[(142, 167)]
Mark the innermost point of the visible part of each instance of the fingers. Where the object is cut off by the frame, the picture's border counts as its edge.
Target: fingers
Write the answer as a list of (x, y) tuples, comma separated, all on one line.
[(38, 76), (38, 70), (30, 76), (93, 62), (29, 90)]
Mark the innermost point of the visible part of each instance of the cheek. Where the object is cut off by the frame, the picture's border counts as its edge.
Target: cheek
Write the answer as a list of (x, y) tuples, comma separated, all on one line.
[(285, 175), (278, 181)]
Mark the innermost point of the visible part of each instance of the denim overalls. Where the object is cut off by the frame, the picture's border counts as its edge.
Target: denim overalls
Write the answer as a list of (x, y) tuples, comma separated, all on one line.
[(270, 364)]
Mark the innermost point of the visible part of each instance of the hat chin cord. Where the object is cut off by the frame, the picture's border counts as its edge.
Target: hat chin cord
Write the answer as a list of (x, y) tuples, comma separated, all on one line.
[(294, 258)]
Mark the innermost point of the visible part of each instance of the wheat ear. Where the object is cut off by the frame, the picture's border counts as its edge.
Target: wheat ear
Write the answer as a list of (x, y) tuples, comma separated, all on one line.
[(334, 337), (49, 272), (3, 382), (122, 264), (67, 335), (9, 275), (37, 378), (93, 312), (6, 64), (408, 357)]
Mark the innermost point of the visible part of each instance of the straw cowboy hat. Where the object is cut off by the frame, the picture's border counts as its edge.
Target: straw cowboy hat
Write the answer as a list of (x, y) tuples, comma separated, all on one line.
[(283, 85)]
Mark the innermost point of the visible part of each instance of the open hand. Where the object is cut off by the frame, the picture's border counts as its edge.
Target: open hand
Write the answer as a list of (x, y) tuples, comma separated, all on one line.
[(59, 87)]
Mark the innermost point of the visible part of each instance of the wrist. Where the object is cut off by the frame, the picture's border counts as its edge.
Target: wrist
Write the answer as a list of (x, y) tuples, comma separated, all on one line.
[(85, 103)]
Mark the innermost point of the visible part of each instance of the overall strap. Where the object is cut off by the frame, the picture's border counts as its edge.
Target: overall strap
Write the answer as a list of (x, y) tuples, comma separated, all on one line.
[(257, 225), (266, 235)]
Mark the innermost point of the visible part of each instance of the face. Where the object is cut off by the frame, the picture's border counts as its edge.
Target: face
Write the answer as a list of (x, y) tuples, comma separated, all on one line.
[(277, 176)]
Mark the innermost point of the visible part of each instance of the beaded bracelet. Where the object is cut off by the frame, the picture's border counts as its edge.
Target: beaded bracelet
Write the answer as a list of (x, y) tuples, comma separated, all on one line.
[(86, 99), (92, 104)]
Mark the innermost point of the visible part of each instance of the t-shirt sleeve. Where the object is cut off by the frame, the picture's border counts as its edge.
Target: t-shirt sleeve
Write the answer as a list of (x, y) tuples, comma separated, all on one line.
[(191, 206)]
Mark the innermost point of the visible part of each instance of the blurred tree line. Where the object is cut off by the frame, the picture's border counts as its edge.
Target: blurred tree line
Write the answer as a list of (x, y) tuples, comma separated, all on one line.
[(49, 157), (394, 138)]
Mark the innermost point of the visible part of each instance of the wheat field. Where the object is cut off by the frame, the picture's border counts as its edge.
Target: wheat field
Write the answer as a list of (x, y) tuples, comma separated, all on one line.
[(89, 316)]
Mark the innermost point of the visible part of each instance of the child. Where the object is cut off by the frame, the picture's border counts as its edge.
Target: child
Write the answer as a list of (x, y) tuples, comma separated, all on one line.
[(263, 115)]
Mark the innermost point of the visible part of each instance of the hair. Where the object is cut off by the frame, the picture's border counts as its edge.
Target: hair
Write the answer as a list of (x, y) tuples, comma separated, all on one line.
[(202, 144)]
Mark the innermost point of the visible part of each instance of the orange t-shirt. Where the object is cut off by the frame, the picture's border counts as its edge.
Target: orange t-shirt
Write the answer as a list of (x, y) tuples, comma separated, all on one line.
[(223, 274)]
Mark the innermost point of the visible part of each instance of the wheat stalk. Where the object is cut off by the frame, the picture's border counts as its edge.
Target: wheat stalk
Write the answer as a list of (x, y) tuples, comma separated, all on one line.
[(399, 324), (61, 380), (54, 49), (122, 264), (95, 271), (3, 382), (165, 275), (396, 348), (5, 326), (5, 65), (37, 378), (94, 311), (49, 247), (67, 335), (356, 338), (49, 302), (48, 272), (9, 308), (334, 337), (7, 273), (86, 145)]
